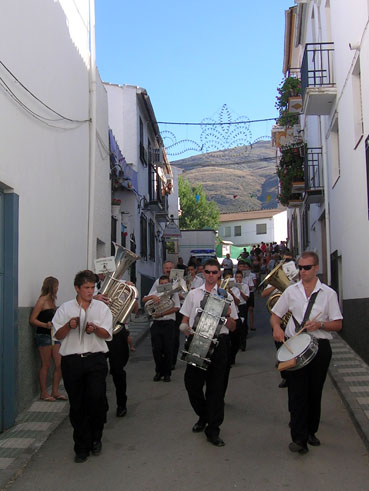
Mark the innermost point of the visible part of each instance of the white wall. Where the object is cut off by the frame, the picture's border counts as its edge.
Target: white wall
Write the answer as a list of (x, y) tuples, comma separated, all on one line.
[(347, 195), (276, 227), (280, 227), (125, 109), (47, 163)]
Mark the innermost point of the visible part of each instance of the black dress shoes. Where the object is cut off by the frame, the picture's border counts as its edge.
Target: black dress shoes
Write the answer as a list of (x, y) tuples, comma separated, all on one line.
[(215, 440), (283, 384), (199, 426), (96, 448), (167, 378), (301, 448), (80, 457), (157, 377), (313, 440), (121, 411)]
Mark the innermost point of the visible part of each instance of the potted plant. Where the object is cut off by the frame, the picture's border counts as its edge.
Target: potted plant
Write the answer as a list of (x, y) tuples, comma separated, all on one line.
[(290, 169), (290, 87)]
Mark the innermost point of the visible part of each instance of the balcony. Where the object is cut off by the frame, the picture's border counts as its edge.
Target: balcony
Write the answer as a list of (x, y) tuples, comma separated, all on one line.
[(314, 191), (318, 85)]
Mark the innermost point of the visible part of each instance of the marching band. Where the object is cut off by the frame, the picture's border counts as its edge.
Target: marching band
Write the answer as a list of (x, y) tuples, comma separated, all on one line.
[(214, 315)]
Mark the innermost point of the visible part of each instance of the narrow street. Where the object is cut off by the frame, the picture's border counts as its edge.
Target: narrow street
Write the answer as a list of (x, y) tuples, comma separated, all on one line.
[(153, 447)]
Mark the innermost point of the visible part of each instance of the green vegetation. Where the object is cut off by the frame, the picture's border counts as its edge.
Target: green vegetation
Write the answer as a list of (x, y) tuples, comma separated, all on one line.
[(197, 211), (290, 169), (290, 87)]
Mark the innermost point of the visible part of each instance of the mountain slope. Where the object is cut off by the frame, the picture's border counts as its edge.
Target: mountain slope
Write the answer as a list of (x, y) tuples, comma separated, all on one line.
[(238, 179)]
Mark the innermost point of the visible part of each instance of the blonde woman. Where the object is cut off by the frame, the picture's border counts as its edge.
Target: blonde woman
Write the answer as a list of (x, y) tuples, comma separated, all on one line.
[(41, 316)]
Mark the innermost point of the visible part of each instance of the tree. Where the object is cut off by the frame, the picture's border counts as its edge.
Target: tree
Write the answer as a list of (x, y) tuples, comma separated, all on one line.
[(197, 211)]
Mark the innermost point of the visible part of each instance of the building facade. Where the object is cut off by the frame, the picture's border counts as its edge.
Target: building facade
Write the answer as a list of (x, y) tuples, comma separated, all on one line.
[(144, 208), (327, 49), (54, 174), (253, 227)]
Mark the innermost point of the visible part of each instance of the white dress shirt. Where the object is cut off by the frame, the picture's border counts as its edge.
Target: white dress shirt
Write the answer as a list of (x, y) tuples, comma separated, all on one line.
[(192, 303), (177, 304), (245, 290), (77, 340), (294, 299)]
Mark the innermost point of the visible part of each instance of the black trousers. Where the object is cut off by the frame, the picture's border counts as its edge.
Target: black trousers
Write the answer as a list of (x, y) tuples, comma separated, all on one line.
[(244, 327), (85, 383), (176, 338), (162, 342), (235, 341), (209, 406), (305, 387), (118, 356)]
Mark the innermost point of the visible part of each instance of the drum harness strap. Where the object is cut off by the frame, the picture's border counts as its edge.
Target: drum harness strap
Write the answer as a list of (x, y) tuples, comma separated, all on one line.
[(307, 312)]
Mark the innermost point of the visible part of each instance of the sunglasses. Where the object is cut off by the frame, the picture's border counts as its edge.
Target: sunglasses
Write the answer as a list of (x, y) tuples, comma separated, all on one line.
[(210, 272), (307, 267)]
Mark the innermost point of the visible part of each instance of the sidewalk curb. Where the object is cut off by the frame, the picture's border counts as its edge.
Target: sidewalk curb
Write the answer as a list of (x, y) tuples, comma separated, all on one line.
[(350, 376), (36, 424)]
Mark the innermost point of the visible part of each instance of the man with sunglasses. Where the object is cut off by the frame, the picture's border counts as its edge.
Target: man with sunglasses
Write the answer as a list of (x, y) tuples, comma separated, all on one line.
[(305, 385), (209, 407)]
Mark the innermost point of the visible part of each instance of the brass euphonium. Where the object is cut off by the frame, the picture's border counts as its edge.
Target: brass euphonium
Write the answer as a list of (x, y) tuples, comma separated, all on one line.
[(121, 295), (278, 278), (166, 303)]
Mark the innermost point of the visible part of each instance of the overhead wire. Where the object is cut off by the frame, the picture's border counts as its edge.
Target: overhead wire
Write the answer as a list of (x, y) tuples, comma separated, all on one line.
[(220, 123), (61, 116)]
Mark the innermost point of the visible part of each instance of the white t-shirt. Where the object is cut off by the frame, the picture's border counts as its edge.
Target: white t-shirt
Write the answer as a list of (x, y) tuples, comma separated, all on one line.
[(77, 340), (227, 263), (294, 299)]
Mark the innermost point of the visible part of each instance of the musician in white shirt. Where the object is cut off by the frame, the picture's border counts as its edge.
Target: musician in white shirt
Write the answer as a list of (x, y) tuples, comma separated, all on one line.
[(209, 406), (244, 292), (83, 325), (163, 331), (305, 385)]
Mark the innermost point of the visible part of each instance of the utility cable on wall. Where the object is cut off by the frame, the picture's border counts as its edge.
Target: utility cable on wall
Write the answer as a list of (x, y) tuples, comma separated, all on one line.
[(33, 113)]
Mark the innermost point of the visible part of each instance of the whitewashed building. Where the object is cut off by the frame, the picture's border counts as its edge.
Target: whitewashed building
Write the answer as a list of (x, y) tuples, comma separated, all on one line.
[(54, 173), (327, 46), (253, 227), (144, 208)]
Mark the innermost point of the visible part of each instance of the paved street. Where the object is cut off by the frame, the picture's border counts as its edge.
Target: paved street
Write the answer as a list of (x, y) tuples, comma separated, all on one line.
[(153, 448)]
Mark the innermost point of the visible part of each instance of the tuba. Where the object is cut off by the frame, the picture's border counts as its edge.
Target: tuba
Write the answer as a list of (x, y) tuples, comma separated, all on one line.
[(278, 278), (166, 302), (122, 296)]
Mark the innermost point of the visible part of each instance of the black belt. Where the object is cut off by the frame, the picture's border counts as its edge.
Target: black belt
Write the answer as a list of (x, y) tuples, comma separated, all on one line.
[(85, 355)]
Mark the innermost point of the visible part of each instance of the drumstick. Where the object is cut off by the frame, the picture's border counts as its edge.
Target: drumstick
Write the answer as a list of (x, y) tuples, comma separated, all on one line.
[(300, 331), (286, 345)]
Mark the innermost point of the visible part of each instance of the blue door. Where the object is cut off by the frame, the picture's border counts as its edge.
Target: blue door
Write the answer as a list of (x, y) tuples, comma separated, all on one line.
[(9, 219), (2, 269)]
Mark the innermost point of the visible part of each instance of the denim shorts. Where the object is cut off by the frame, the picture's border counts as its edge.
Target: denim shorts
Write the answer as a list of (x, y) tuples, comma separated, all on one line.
[(43, 340)]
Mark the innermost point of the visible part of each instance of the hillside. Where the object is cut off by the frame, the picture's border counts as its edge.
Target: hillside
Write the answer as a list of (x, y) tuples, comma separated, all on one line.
[(236, 179)]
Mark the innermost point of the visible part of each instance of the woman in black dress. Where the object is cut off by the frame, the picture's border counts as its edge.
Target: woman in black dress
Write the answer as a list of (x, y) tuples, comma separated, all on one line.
[(41, 316)]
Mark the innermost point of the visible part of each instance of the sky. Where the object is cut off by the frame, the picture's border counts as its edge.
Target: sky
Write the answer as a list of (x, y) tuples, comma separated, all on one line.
[(193, 57)]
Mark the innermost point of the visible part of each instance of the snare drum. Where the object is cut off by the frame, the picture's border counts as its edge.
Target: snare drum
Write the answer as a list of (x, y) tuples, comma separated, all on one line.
[(304, 348)]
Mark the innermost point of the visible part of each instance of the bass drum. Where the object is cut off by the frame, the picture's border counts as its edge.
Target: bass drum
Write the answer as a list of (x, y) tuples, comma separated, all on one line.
[(304, 348)]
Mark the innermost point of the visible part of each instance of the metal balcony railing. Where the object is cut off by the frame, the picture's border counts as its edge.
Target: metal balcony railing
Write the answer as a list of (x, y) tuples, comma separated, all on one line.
[(317, 68), (313, 169)]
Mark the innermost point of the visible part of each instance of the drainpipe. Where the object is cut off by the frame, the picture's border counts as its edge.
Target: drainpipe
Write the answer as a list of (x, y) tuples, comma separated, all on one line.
[(326, 200), (92, 162)]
